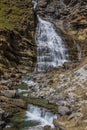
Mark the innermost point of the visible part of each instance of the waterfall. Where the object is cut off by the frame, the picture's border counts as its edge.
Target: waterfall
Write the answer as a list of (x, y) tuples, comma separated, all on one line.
[(34, 2), (40, 115), (51, 50)]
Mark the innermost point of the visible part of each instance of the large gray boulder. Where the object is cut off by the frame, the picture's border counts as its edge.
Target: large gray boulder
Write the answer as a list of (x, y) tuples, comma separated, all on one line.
[(63, 110)]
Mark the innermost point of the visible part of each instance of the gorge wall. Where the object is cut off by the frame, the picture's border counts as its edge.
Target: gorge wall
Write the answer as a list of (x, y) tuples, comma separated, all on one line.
[(17, 45), (17, 53), (17, 27), (70, 17), (18, 49)]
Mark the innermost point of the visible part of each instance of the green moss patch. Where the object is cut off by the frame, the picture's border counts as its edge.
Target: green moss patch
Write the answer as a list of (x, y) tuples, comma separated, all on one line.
[(12, 12)]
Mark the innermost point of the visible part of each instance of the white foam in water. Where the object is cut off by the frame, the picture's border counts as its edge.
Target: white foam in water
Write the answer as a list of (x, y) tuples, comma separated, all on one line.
[(22, 90), (34, 2), (40, 115), (51, 49), (29, 82)]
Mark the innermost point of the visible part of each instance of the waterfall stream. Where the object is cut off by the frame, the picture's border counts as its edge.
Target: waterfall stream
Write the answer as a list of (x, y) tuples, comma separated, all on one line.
[(40, 115), (51, 50), (34, 117)]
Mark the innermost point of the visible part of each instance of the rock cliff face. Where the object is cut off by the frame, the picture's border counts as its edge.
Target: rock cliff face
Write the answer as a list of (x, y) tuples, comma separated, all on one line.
[(17, 46), (17, 52), (18, 49), (68, 15)]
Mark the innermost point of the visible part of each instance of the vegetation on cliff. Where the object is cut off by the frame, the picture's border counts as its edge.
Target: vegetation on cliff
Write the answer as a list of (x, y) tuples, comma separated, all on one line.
[(17, 45), (17, 52)]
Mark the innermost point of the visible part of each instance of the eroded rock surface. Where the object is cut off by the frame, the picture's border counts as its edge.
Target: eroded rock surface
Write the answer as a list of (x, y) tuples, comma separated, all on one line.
[(18, 55), (17, 45), (65, 89), (17, 52), (70, 17)]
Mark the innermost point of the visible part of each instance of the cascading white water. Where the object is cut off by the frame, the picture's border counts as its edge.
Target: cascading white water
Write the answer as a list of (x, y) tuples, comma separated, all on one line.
[(40, 115), (51, 51), (34, 2)]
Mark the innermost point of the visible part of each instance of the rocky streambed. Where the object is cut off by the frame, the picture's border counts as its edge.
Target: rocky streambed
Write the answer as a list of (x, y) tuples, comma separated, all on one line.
[(66, 91), (33, 117), (63, 93)]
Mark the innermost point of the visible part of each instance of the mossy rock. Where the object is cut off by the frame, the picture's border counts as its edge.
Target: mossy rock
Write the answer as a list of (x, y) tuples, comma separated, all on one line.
[(12, 12), (17, 43)]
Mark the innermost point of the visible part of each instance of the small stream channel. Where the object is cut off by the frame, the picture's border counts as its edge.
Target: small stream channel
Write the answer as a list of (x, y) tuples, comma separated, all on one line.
[(34, 116)]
